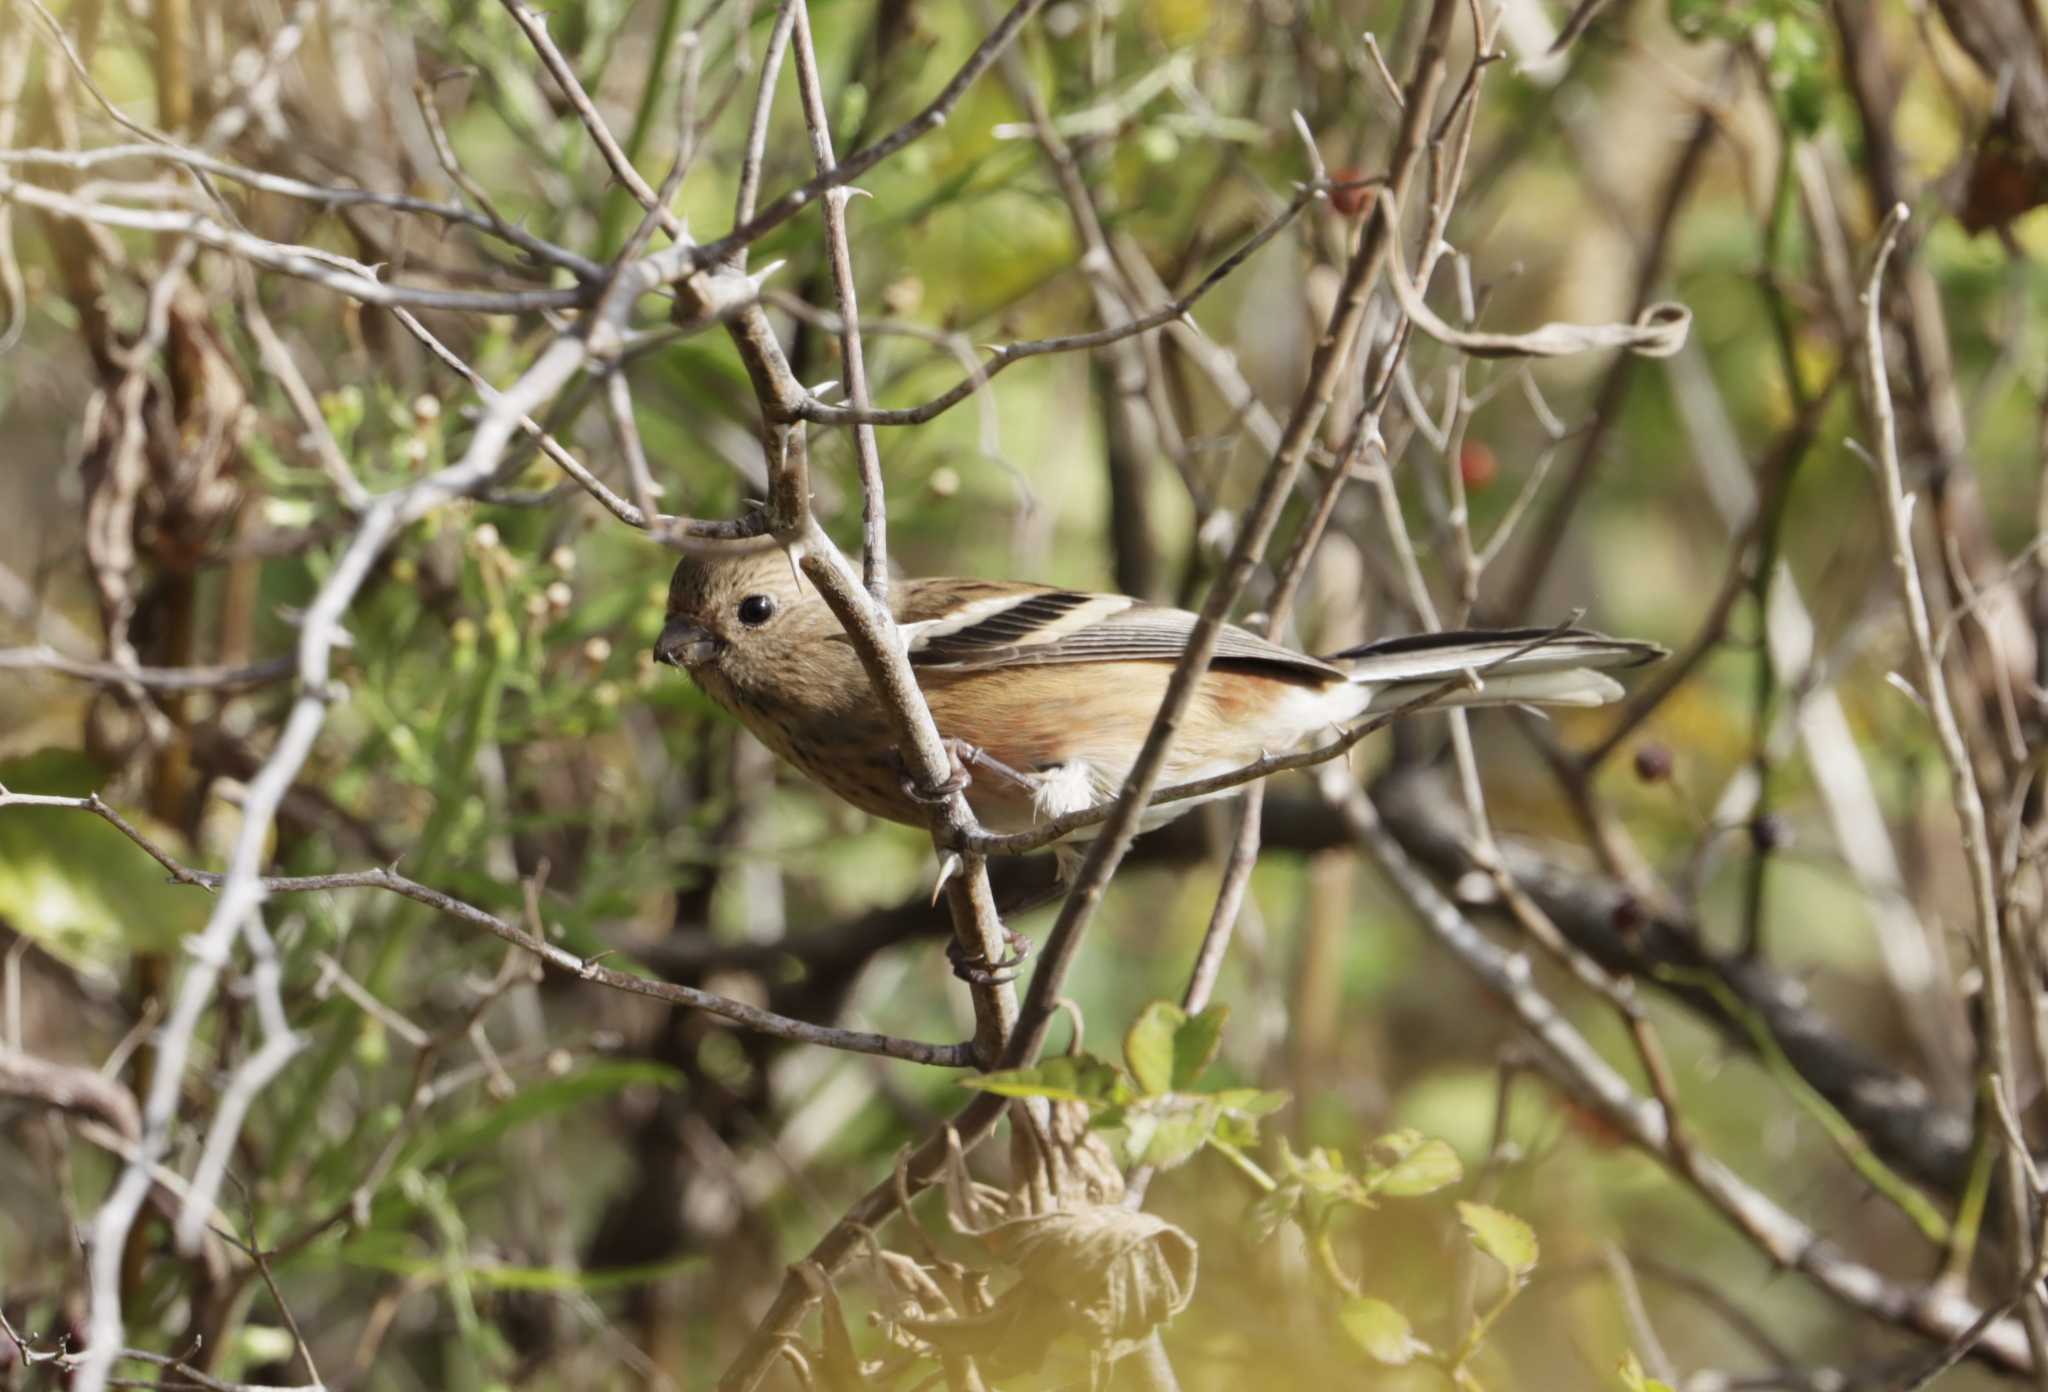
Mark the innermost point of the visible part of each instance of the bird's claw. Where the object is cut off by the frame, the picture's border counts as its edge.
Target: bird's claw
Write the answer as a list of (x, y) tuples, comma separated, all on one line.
[(962, 757), (977, 970), (958, 781)]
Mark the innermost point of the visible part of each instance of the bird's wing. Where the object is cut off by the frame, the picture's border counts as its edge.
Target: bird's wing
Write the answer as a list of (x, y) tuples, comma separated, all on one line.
[(976, 626)]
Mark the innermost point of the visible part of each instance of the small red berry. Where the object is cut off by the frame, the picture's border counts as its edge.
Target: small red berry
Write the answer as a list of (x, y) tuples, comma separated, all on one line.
[(1353, 200), (1477, 464)]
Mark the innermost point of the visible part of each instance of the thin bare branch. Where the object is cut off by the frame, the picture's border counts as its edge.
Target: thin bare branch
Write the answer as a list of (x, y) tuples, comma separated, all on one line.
[(1998, 1064), (324, 268)]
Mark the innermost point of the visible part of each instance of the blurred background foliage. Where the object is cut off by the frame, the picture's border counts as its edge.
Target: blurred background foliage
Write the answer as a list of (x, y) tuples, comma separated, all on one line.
[(493, 1181)]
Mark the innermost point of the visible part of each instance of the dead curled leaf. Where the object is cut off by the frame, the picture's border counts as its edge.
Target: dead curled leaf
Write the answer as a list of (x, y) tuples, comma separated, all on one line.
[(1659, 332), (1083, 1267), (1103, 1273)]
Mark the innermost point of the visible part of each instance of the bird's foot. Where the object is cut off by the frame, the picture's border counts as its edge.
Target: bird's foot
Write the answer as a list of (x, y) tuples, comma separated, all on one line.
[(957, 780), (976, 970), (963, 759)]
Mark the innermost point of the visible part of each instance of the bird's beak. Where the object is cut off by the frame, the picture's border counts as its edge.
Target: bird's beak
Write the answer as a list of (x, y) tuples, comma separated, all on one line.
[(684, 644)]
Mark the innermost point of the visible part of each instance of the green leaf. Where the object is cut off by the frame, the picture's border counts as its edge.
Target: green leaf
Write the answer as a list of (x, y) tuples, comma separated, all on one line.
[(1502, 1236), (1250, 1102), (1238, 1113), (1069, 1078), (1234, 1130), (1176, 1135), (1195, 1044), (1395, 1146), (1380, 1330), (1431, 1166), (1163, 1130), (1149, 1046), (1139, 1129), (539, 1100)]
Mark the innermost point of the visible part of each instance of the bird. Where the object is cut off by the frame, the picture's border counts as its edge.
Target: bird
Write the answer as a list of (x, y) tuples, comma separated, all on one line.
[(1045, 695)]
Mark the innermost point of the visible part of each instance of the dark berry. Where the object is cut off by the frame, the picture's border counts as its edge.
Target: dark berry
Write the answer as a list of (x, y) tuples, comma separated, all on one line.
[(1767, 832)]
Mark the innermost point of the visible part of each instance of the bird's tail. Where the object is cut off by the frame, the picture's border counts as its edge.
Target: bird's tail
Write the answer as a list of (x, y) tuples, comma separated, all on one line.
[(1509, 666)]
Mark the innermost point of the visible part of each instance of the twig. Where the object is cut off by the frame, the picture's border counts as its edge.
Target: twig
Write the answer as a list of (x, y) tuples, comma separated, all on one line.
[(48, 659), (741, 528), (487, 215), (871, 629), (754, 151), (618, 400), (1998, 1064), (534, 25), (14, 74), (337, 273), (562, 960), (933, 116), (1243, 856), (874, 560), (1371, 42), (277, 359), (68, 1088), (333, 973)]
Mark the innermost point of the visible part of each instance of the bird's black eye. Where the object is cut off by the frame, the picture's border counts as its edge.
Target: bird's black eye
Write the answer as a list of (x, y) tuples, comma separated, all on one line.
[(756, 609)]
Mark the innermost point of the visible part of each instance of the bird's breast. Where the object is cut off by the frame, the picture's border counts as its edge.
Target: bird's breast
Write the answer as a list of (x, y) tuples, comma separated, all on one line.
[(846, 746)]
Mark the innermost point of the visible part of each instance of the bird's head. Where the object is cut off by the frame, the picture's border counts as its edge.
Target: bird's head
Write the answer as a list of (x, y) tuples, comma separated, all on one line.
[(720, 604)]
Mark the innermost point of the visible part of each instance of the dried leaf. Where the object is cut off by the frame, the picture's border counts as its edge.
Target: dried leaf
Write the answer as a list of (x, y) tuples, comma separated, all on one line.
[(1658, 333), (1097, 1271), (837, 1368)]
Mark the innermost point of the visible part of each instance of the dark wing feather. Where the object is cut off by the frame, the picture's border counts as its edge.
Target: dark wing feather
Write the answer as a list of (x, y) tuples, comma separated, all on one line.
[(1019, 623), (1050, 627)]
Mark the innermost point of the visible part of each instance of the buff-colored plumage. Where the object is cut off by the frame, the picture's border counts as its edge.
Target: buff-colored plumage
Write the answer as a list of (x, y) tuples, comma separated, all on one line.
[(1057, 688)]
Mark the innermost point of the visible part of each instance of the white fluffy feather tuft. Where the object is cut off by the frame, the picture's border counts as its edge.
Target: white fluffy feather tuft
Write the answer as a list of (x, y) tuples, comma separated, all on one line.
[(1064, 788)]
